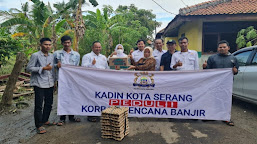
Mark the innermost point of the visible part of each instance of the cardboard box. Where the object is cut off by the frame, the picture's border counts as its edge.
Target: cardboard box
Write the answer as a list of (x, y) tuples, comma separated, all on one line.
[(119, 63)]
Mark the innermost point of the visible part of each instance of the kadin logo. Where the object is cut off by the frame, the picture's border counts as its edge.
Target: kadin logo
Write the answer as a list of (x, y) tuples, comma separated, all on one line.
[(144, 79)]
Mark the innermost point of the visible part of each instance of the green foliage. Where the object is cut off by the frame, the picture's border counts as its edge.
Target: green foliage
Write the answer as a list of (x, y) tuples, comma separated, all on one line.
[(248, 44), (9, 46), (21, 98), (125, 25), (246, 37), (8, 66), (251, 34), (121, 26), (59, 25), (15, 21), (146, 17), (93, 2)]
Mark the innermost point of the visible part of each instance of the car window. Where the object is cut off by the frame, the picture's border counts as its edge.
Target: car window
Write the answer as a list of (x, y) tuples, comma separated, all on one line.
[(254, 62), (242, 57)]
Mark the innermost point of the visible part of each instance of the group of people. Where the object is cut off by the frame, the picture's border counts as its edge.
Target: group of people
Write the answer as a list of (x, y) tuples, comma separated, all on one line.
[(44, 67)]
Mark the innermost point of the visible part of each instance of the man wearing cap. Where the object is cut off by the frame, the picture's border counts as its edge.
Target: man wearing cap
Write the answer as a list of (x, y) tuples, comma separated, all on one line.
[(185, 59), (158, 52), (166, 57)]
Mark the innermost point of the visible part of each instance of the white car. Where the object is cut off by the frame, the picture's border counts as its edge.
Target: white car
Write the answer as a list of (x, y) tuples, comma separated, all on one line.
[(245, 82)]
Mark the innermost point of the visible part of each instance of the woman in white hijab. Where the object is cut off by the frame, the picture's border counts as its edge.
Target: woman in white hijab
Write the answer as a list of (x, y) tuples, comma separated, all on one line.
[(119, 52)]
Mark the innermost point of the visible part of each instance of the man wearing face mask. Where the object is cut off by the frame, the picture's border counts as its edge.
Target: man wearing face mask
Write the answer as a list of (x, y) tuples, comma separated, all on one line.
[(119, 52)]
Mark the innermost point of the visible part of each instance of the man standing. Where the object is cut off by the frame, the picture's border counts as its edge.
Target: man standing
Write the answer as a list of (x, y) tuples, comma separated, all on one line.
[(42, 79), (185, 59), (95, 60), (222, 60), (138, 54), (166, 57), (158, 52), (70, 57)]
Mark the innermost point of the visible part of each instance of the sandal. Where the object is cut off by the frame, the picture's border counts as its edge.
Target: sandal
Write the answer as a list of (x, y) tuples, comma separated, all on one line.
[(229, 123), (41, 130), (75, 120), (91, 119), (50, 123), (60, 123)]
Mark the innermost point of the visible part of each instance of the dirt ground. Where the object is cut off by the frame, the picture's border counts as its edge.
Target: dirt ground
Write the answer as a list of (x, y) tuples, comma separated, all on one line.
[(19, 128)]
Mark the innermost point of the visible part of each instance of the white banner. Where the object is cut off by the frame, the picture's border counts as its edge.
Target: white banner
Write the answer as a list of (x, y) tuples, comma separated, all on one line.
[(204, 94)]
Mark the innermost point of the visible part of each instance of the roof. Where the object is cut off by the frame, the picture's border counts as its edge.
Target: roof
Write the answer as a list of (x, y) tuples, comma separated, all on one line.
[(220, 7), (162, 30)]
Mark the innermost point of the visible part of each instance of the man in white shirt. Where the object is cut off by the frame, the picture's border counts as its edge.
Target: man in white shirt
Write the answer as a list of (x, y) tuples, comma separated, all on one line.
[(94, 59), (158, 52), (138, 54), (185, 59)]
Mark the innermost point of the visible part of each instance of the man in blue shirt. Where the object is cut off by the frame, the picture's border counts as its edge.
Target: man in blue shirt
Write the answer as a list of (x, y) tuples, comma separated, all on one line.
[(69, 57), (42, 79), (166, 57)]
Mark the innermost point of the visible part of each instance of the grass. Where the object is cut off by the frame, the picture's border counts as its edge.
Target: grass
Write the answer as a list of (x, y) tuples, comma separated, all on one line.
[(7, 68)]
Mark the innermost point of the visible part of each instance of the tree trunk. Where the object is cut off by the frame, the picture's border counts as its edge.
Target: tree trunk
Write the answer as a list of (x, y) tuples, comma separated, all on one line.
[(54, 37), (79, 27), (8, 92)]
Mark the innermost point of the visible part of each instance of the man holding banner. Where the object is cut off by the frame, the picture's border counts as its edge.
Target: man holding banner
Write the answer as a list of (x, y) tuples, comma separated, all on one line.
[(70, 57), (95, 60), (189, 95), (223, 60)]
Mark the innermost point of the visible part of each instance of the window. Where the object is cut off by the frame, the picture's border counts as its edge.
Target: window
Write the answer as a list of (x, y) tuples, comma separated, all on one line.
[(254, 62), (211, 40), (210, 43), (242, 57)]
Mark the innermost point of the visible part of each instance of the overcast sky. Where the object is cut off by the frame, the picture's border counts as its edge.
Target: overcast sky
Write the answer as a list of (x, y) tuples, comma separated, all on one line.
[(172, 6)]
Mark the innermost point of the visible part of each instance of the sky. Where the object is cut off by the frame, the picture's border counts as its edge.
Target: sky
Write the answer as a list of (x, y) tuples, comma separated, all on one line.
[(172, 6)]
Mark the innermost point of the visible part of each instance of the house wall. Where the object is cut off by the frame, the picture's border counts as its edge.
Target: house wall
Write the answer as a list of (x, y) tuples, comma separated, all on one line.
[(193, 31)]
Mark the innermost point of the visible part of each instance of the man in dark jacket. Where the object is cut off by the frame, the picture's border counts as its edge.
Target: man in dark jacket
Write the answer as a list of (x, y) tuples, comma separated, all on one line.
[(223, 59)]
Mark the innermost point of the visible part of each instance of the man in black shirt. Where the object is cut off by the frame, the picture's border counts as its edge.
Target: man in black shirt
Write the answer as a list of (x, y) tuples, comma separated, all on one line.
[(166, 57), (223, 59)]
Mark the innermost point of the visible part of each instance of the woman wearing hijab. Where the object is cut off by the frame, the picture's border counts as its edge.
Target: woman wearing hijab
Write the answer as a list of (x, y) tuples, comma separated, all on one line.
[(119, 52), (147, 63)]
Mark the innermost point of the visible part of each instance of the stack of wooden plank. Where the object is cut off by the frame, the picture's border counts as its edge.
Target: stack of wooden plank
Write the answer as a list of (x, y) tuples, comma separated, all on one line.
[(114, 123)]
